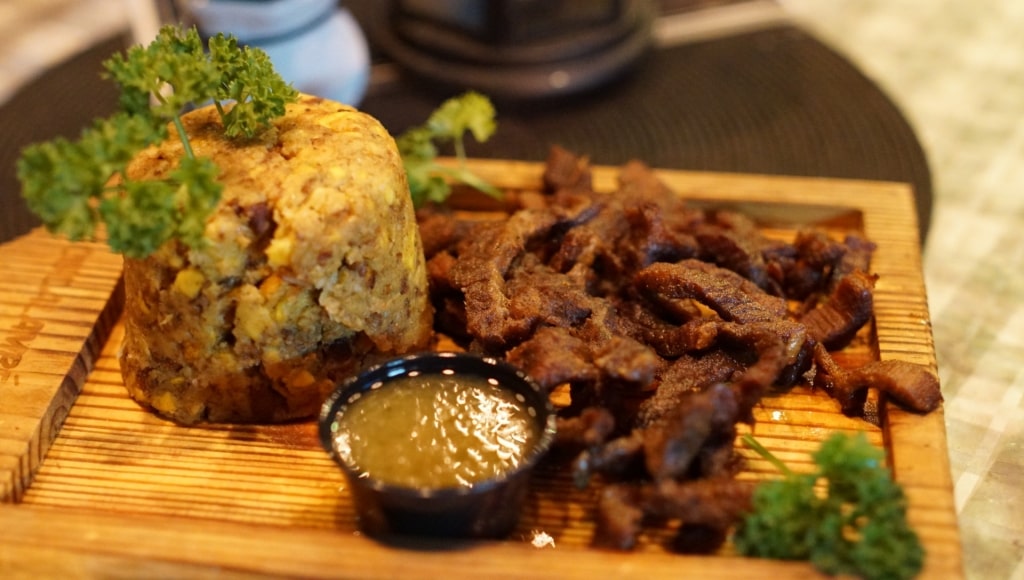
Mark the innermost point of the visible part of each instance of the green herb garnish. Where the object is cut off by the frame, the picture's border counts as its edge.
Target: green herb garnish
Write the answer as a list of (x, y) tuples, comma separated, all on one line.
[(75, 186), (857, 526), (429, 180)]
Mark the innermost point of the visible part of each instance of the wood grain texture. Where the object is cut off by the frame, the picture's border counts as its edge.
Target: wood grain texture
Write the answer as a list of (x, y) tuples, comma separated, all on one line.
[(58, 303), (121, 488)]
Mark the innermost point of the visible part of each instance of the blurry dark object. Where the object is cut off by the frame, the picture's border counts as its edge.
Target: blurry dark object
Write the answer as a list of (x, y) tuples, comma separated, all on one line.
[(517, 48), (772, 99)]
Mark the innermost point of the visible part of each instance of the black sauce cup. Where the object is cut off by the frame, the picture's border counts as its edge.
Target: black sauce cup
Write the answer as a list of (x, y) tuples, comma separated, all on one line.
[(486, 509)]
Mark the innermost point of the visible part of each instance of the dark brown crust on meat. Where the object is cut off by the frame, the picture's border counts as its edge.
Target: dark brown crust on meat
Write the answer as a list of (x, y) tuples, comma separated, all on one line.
[(836, 321), (668, 324)]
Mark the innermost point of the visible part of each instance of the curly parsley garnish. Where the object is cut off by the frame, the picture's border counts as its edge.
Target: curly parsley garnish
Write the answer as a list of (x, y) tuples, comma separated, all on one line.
[(858, 526), (429, 181), (73, 186)]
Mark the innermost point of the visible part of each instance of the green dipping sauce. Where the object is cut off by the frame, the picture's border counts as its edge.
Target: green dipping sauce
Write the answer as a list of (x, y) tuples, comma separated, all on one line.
[(435, 431)]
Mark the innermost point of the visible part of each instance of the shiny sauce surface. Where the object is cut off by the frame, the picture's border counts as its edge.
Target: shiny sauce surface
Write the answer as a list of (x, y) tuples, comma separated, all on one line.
[(435, 431)]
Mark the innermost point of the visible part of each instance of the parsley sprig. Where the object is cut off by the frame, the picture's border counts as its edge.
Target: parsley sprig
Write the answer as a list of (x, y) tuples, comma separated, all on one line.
[(858, 526), (429, 181), (73, 186)]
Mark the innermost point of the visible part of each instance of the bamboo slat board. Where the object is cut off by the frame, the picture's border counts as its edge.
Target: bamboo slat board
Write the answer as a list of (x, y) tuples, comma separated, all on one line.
[(58, 303), (121, 490)]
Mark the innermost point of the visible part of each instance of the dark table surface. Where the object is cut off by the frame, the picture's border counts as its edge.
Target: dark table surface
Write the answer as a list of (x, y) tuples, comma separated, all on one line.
[(773, 100)]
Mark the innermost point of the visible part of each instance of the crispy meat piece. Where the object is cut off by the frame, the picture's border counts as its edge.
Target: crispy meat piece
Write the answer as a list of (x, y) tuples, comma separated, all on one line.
[(718, 457), (640, 184), (836, 321), (566, 170), (495, 245), (625, 360), (439, 229), (706, 501), (617, 458), (667, 338), (439, 269), (652, 239), (774, 343), (593, 244), (575, 207), (699, 539), (673, 443), (732, 241), (622, 508), (731, 296), (485, 257), (664, 353), (781, 349), (488, 318), (543, 296), (591, 353), (910, 385), (553, 356), (856, 256), (668, 447), (590, 428), (606, 321), (815, 263), (804, 271), (692, 336), (687, 374), (620, 516)]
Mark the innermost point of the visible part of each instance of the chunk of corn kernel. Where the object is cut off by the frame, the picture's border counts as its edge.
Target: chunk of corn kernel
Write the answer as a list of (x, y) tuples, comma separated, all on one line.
[(252, 320), (279, 252), (300, 379), (270, 285), (189, 282)]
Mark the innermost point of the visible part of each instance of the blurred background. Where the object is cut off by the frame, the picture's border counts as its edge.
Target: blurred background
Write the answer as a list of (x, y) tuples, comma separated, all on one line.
[(929, 92)]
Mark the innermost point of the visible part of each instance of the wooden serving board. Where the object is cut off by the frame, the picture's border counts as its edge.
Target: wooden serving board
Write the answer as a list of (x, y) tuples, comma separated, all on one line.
[(93, 484)]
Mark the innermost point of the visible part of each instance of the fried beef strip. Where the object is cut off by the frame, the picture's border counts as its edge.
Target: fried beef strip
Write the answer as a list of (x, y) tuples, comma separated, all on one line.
[(731, 296), (836, 321), (672, 444), (654, 238), (731, 240), (623, 507), (490, 250), (566, 170), (802, 268), (621, 457), (590, 428), (439, 229), (539, 294), (912, 386), (553, 356), (669, 339), (857, 252), (668, 323), (677, 445), (587, 253), (687, 374)]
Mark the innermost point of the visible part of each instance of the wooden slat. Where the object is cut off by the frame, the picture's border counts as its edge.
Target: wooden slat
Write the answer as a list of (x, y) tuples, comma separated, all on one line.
[(58, 302), (177, 547), (121, 487)]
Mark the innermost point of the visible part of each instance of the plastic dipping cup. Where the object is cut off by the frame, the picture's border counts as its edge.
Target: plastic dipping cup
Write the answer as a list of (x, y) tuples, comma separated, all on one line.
[(484, 508)]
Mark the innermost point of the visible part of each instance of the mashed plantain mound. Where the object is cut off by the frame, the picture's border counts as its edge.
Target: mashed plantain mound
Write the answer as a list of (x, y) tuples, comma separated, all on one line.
[(313, 268)]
